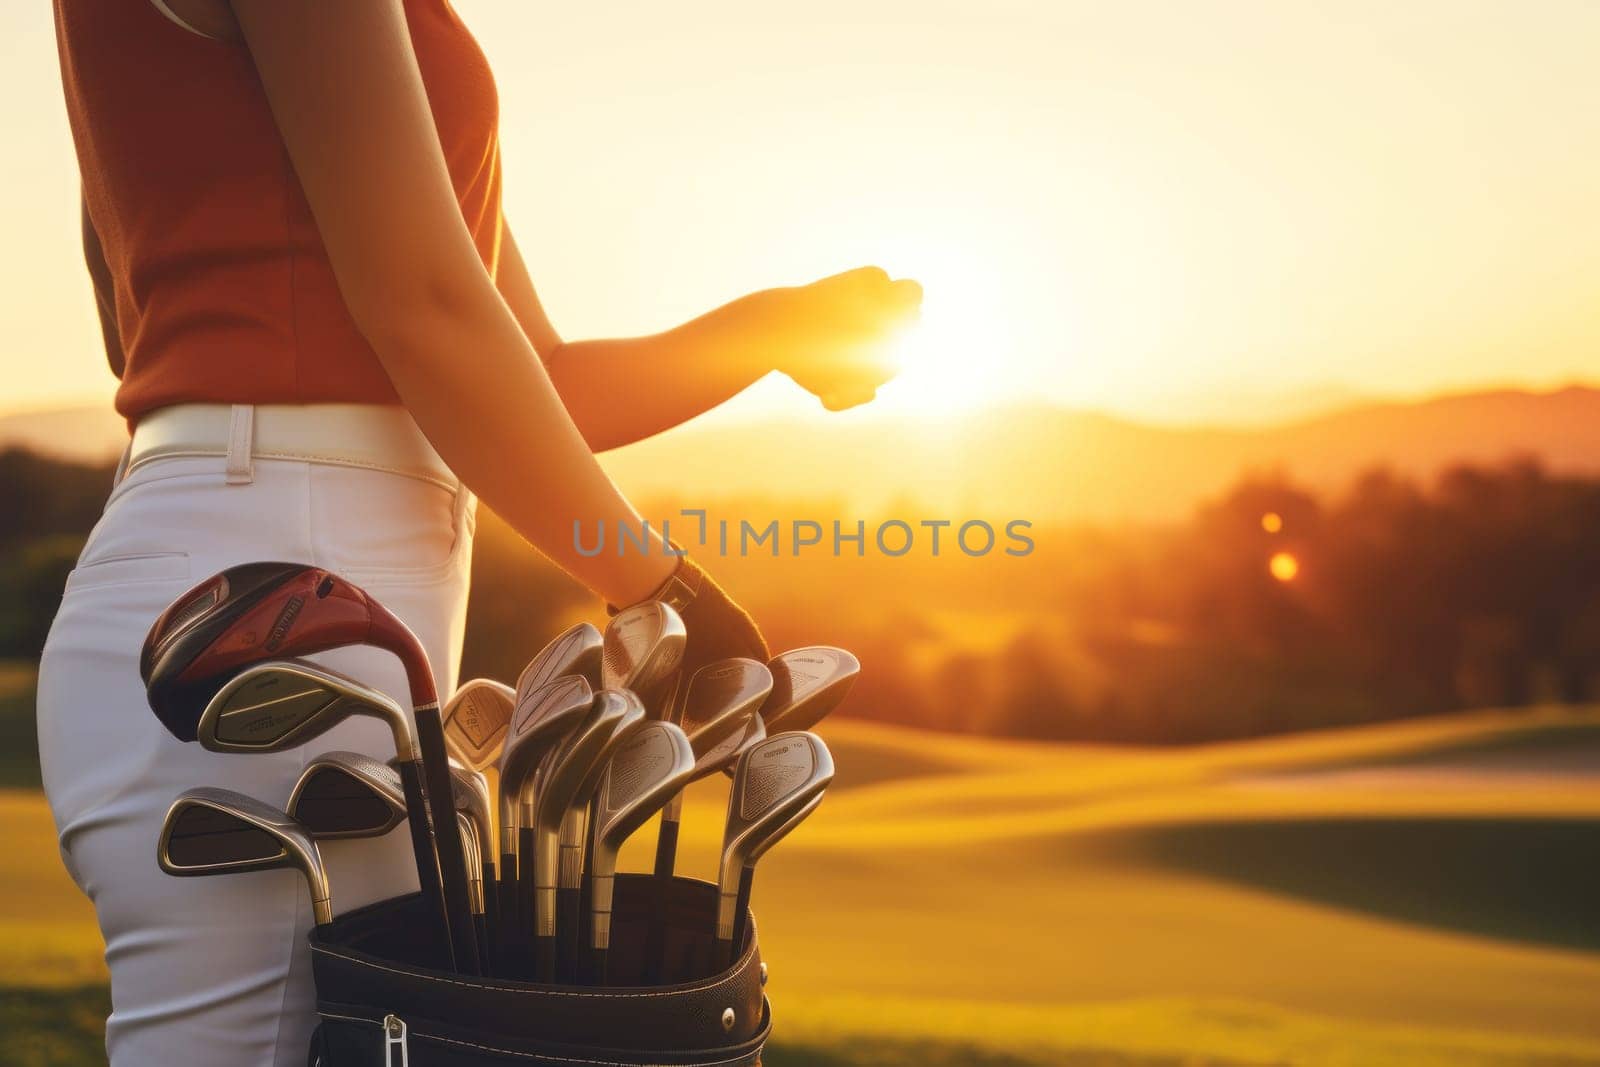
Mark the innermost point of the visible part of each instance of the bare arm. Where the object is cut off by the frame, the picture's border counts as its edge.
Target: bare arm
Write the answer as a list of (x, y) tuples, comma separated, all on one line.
[(621, 391), (344, 87)]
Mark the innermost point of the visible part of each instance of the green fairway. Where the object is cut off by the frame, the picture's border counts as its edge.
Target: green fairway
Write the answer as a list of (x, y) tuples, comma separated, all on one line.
[(1417, 894)]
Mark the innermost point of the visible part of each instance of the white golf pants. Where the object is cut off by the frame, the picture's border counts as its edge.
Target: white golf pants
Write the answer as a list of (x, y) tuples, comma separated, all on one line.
[(216, 970)]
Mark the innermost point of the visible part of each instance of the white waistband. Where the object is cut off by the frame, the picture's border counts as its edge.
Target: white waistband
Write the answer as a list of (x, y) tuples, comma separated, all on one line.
[(378, 437)]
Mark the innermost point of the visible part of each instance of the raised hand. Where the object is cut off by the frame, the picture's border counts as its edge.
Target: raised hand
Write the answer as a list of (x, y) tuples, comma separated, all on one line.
[(835, 336)]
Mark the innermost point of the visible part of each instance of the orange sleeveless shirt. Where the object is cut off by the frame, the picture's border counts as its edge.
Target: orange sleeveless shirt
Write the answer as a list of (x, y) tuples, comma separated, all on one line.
[(222, 287)]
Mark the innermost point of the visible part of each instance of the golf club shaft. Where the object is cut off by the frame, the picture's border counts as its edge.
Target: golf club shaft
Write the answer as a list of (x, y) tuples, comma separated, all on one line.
[(524, 891), (667, 837), (452, 856), (569, 894), (741, 913), (491, 907), (422, 846), (509, 912), (666, 861)]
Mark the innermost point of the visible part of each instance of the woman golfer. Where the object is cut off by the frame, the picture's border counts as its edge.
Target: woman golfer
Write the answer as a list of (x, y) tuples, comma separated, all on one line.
[(328, 345)]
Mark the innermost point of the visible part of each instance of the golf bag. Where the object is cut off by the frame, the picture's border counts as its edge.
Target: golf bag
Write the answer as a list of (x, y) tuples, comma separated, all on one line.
[(385, 1001)]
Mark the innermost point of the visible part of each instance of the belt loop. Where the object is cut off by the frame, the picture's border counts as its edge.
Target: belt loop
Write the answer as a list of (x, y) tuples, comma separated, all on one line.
[(241, 444)]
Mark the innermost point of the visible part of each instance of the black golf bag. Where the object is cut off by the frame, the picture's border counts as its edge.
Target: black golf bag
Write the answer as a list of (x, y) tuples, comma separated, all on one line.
[(385, 1002)]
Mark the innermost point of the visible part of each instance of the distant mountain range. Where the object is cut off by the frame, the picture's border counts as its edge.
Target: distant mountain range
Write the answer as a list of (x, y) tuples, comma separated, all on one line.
[(1050, 463), (1039, 462)]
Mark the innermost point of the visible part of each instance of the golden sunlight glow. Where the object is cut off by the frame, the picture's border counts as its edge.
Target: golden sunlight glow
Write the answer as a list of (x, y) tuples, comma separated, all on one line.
[(961, 355), (1104, 215), (1272, 522), (1284, 566)]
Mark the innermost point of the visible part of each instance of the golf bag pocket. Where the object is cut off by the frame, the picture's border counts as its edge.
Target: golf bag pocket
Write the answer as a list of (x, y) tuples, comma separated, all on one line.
[(384, 1000)]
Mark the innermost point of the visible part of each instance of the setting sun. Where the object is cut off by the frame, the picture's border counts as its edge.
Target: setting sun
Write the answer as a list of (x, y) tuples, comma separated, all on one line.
[(960, 355)]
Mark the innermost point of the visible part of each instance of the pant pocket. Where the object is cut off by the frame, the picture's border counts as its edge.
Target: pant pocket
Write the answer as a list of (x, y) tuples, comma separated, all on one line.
[(124, 569), (382, 528)]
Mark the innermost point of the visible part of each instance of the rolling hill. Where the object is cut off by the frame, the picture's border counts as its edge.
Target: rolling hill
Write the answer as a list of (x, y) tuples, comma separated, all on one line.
[(1037, 462), (960, 901)]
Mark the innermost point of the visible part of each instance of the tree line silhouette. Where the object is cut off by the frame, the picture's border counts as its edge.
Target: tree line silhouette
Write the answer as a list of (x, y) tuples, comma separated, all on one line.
[(1273, 608)]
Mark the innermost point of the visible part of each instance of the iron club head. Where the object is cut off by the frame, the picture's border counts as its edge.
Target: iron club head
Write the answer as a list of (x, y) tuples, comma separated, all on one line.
[(575, 650), (570, 777), (775, 779), (278, 704), (542, 718), (646, 772), (346, 795), (476, 718), (720, 700), (217, 831), (807, 684), (642, 646)]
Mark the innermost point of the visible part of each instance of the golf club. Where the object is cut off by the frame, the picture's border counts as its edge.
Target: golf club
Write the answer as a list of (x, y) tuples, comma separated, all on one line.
[(348, 795), (259, 611), (569, 778), (542, 718), (775, 780), (278, 704), (807, 684), (575, 650), (217, 831), (716, 704), (741, 907), (646, 772), (474, 874), (475, 720), (471, 798), (725, 754), (641, 648)]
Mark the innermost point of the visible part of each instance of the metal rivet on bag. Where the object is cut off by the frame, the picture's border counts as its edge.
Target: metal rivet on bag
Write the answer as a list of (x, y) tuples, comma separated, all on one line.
[(763, 974), (727, 1018)]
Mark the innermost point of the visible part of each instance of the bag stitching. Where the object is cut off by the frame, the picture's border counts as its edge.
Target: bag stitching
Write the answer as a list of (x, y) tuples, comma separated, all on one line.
[(676, 991), (740, 1058)]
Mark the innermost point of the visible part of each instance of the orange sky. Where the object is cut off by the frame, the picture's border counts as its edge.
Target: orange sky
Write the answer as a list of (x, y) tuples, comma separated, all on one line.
[(1212, 210)]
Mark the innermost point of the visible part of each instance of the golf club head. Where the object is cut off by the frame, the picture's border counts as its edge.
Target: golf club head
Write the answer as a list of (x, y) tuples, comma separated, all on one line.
[(642, 646), (541, 719), (217, 831), (575, 650), (278, 704), (718, 703), (571, 776), (476, 718), (726, 754), (285, 703), (347, 795), (260, 611), (807, 683), (775, 779), (647, 771), (783, 831)]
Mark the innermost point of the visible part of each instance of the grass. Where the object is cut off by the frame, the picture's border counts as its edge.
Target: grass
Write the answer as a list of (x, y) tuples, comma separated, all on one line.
[(19, 740), (1412, 894), (53, 1027)]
